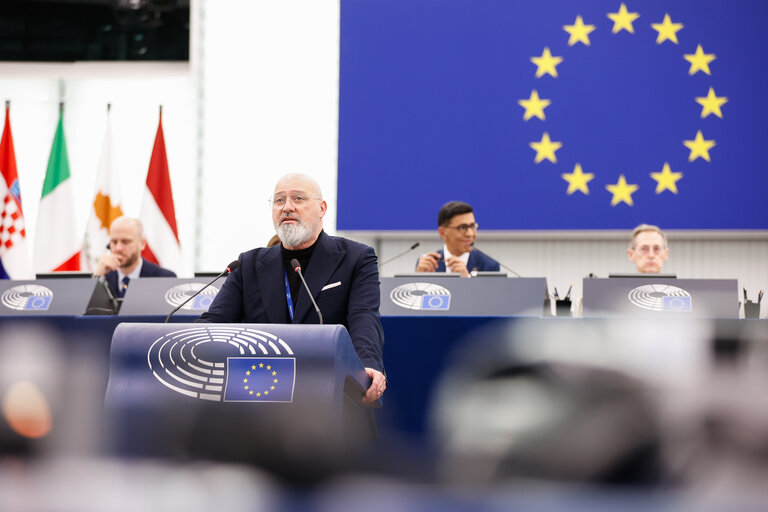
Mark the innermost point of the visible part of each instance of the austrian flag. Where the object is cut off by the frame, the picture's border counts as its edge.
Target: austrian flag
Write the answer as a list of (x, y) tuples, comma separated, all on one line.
[(157, 212)]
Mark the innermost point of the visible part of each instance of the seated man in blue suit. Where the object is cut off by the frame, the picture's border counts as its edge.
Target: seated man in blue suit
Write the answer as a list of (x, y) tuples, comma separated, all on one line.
[(342, 275), (458, 229), (123, 261)]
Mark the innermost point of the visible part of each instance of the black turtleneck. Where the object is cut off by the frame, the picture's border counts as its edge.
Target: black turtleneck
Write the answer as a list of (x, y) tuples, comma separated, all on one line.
[(294, 281)]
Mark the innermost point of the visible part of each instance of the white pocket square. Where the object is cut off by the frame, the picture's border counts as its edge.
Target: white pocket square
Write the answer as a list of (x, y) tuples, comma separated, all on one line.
[(329, 286)]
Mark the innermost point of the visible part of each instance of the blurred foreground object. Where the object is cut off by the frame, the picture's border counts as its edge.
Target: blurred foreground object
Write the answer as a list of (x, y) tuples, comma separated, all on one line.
[(630, 402)]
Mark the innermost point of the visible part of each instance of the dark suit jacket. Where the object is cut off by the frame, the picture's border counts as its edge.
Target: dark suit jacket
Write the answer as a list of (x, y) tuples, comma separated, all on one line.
[(343, 276), (477, 261), (148, 269)]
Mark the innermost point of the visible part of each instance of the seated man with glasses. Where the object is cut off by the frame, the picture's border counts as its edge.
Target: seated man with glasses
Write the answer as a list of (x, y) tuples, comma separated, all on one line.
[(342, 275), (648, 249), (458, 229)]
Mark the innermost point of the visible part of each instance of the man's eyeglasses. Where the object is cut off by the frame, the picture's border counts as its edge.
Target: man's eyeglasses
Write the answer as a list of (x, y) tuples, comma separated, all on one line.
[(298, 199), (463, 228), (647, 249)]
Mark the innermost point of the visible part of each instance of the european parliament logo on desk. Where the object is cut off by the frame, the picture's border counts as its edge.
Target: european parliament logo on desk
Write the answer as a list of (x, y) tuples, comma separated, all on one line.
[(661, 297), (421, 297), (27, 297), (220, 364), (179, 293)]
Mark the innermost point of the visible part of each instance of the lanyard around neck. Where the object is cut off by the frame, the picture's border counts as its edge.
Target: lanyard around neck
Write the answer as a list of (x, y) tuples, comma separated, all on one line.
[(288, 295)]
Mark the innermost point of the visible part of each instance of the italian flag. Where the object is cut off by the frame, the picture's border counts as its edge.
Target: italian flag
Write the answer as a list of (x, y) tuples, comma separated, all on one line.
[(57, 244)]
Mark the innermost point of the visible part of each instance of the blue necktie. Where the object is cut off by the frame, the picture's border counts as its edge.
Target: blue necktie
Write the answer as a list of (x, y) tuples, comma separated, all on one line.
[(126, 280)]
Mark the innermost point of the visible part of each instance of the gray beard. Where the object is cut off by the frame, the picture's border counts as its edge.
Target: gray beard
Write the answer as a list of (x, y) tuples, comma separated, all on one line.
[(293, 235)]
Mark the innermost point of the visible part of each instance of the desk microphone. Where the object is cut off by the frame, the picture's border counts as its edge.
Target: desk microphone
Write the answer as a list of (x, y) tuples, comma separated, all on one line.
[(502, 265), (297, 268), (231, 267), (393, 258)]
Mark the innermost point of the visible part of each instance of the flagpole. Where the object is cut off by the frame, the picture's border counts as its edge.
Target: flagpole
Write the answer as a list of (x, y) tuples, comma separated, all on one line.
[(161, 113), (109, 107)]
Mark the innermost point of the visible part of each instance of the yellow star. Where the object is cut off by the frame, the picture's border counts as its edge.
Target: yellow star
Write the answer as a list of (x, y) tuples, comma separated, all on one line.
[(699, 147), (272, 387), (274, 373), (623, 20), (248, 372), (250, 392), (699, 60), (261, 365), (579, 32), (269, 367), (534, 106), (275, 381), (245, 387), (258, 394), (666, 179), (266, 392), (545, 148), (711, 103), (622, 192), (546, 64), (253, 367), (245, 380), (577, 180), (667, 30)]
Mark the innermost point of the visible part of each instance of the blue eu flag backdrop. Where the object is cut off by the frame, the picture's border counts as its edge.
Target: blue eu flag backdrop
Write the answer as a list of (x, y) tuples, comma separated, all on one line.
[(554, 114), (260, 379)]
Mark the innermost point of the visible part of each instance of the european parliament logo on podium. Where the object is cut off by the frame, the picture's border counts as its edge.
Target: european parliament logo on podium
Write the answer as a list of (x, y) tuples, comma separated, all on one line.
[(229, 364)]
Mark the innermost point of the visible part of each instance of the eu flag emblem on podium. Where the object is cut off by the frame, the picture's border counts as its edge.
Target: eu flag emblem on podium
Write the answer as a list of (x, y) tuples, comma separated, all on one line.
[(436, 302), (260, 379)]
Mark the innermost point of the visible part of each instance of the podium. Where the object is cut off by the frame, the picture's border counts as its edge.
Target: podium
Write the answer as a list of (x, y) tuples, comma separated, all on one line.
[(430, 294), (651, 296), (264, 393)]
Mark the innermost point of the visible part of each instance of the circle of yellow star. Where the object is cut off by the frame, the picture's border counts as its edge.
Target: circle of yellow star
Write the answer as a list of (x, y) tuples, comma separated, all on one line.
[(699, 60), (666, 179), (622, 191), (711, 103), (579, 32), (534, 106), (667, 30), (699, 147), (623, 19), (546, 64), (545, 148), (577, 180)]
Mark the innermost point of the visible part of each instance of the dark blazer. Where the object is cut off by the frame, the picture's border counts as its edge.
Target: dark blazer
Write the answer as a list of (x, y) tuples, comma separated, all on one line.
[(477, 261), (148, 269), (255, 293)]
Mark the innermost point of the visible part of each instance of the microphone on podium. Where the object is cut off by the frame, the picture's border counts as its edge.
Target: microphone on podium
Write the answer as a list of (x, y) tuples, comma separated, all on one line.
[(501, 264), (297, 268), (231, 267), (393, 258)]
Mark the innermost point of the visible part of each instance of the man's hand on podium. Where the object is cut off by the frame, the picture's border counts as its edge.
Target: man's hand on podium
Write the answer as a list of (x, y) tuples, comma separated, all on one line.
[(377, 387)]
